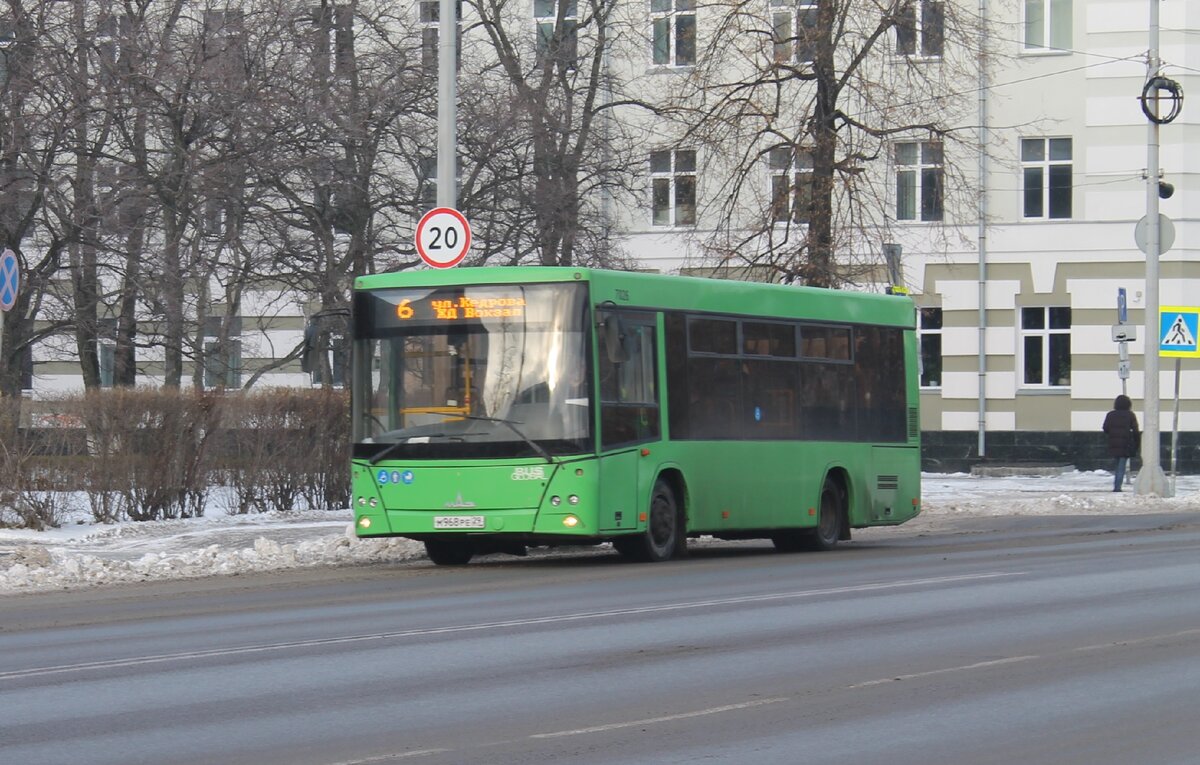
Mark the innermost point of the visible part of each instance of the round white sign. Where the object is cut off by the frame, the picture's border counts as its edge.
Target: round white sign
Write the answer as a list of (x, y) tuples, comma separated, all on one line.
[(443, 237), (1166, 233)]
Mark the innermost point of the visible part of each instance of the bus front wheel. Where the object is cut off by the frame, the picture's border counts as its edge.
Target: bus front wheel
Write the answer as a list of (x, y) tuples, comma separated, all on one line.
[(664, 529), (444, 552)]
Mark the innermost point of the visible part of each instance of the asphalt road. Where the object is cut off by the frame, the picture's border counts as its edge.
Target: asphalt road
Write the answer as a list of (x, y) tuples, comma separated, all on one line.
[(1021, 640)]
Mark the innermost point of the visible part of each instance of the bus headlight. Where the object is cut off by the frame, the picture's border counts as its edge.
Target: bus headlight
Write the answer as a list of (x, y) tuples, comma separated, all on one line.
[(573, 499), (556, 500), (570, 521), (364, 522)]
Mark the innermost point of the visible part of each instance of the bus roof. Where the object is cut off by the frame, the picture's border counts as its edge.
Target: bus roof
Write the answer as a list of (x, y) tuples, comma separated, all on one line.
[(686, 293)]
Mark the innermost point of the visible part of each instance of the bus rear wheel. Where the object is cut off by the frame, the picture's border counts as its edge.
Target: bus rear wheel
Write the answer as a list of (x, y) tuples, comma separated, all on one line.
[(664, 532), (830, 518), (444, 552)]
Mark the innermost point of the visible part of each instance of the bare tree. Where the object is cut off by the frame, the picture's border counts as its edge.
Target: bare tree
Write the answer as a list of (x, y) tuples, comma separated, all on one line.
[(36, 120), (168, 157), (807, 106), (345, 115), (553, 147)]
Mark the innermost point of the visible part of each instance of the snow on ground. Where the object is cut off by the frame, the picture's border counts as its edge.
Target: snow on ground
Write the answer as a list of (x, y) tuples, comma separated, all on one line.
[(83, 554)]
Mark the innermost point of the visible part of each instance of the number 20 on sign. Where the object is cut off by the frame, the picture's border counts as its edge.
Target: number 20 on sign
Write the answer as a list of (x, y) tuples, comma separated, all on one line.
[(443, 237)]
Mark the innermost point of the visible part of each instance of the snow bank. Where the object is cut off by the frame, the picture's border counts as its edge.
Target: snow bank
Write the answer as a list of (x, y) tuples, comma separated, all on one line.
[(35, 567), (82, 554)]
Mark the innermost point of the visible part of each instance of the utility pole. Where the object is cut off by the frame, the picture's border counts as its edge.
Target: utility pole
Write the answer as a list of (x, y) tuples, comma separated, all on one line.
[(1151, 479), (447, 162)]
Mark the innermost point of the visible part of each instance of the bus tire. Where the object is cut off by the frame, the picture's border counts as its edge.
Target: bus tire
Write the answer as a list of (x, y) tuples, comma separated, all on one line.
[(830, 517), (664, 532), (446, 552)]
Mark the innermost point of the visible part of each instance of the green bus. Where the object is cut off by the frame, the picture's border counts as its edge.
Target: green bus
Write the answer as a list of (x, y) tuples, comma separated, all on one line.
[(497, 408)]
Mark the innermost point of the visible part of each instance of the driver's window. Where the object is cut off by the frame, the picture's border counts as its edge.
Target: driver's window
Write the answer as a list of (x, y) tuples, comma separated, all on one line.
[(629, 410)]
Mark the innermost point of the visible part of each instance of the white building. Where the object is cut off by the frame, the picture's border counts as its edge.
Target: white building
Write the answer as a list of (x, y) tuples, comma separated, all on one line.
[(1018, 288), (1018, 295)]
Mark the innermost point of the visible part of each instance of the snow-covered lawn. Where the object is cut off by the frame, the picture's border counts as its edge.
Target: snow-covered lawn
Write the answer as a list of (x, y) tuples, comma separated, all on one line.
[(82, 554)]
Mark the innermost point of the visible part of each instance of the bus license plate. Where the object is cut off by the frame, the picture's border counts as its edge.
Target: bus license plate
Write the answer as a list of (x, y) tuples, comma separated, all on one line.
[(458, 521)]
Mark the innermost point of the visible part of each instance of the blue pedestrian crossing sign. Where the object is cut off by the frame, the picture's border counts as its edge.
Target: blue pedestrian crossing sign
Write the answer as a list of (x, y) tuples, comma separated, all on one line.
[(1178, 328)]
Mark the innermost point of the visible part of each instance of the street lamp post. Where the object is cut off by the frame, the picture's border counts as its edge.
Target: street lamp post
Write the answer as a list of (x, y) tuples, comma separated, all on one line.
[(1151, 478), (447, 159)]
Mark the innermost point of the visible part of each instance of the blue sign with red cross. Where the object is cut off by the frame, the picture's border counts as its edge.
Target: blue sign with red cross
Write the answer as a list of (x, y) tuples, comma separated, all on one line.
[(10, 280)]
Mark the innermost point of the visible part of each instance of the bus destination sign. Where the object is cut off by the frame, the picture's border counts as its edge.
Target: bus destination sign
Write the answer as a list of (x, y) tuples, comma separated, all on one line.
[(462, 308)]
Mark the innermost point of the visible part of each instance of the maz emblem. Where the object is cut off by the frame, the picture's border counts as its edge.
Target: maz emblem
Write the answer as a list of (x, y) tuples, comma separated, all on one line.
[(458, 502)]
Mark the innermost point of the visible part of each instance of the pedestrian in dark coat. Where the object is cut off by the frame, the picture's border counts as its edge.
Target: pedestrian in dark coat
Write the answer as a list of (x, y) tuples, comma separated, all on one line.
[(1121, 427)]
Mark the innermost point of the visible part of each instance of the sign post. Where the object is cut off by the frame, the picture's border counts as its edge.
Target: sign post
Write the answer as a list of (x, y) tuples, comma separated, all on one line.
[(1122, 333), (443, 237), (1178, 329), (10, 283)]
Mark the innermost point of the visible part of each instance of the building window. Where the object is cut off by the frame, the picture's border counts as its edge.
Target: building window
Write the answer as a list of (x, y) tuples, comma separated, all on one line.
[(219, 191), (673, 27), (1046, 346), (429, 16), (426, 184), (110, 32), (1047, 25), (929, 337), (563, 46), (673, 181), (333, 40), (223, 366), (1046, 182), (26, 366), (338, 357), (223, 47), (222, 360), (117, 197), (795, 29), (919, 174), (107, 352), (791, 184), (920, 29)]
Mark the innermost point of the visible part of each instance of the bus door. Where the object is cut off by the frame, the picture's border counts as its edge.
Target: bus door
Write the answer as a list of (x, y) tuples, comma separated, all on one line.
[(628, 391)]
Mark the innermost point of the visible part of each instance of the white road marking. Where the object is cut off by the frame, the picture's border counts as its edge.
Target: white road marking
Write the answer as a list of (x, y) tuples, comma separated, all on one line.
[(1136, 641), (655, 720), (944, 670), (390, 757), (485, 626), (1015, 659)]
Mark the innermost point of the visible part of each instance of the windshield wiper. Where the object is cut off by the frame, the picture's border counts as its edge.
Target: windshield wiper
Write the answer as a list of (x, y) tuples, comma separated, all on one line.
[(541, 451), (379, 455)]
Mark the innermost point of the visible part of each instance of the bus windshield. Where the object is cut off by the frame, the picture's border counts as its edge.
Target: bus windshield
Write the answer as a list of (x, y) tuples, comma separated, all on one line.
[(472, 372)]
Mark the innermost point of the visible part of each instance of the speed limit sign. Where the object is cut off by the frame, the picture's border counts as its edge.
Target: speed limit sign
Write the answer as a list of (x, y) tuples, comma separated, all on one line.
[(443, 237)]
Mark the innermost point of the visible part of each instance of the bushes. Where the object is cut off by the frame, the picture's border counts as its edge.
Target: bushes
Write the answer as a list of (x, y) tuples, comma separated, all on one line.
[(29, 495), (287, 449), (151, 454)]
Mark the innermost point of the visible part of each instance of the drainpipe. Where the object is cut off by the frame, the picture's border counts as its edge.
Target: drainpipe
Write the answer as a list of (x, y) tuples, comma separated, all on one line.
[(982, 230)]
